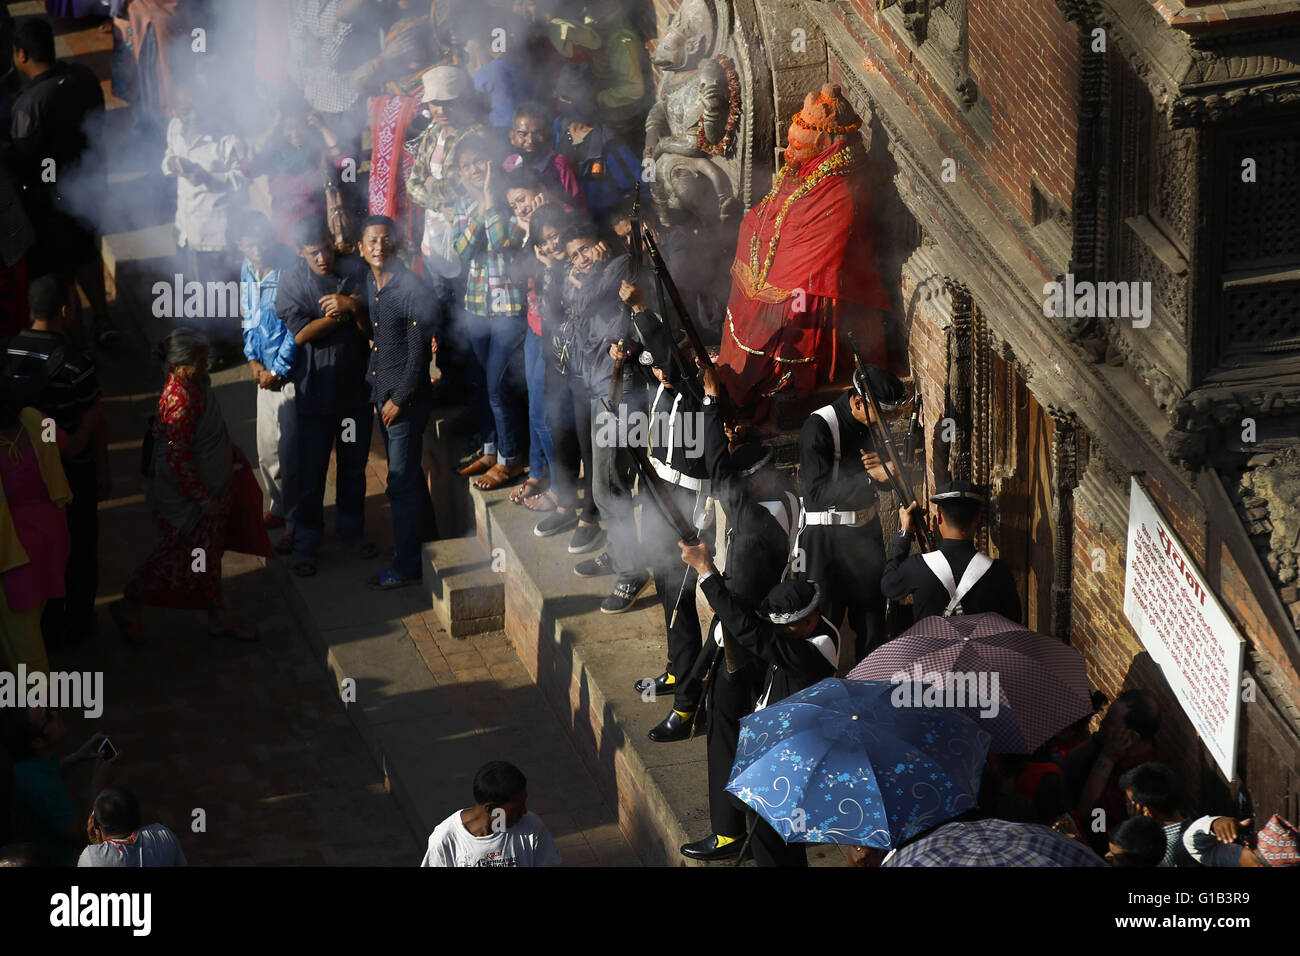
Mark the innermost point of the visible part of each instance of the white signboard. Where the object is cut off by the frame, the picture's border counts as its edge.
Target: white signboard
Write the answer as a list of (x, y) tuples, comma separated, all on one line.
[(1182, 625)]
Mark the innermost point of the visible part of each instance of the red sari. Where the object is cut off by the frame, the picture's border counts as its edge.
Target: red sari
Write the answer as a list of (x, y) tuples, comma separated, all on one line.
[(171, 575), (804, 255)]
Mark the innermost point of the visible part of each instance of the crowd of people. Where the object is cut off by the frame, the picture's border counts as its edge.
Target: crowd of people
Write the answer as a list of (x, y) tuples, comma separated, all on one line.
[(455, 216)]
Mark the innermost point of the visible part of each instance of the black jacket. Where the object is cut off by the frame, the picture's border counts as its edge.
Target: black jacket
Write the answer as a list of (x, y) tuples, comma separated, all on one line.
[(757, 546), (793, 664), (853, 489), (995, 591), (51, 119), (600, 317)]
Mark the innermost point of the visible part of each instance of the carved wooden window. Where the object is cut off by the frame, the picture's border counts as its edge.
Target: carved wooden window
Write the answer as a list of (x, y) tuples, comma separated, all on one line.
[(936, 32), (1260, 282), (1150, 205)]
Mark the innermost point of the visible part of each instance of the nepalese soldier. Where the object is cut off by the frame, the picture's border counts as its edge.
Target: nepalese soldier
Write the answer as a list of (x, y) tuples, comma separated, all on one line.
[(840, 543), (762, 513), (677, 458), (955, 579), (799, 647)]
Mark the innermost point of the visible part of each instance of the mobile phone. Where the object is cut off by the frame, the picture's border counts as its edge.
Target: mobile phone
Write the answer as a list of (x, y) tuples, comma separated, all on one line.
[(107, 749)]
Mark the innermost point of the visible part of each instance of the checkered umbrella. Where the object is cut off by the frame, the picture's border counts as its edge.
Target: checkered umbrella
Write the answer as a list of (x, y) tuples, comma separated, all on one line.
[(1019, 685), (994, 843)]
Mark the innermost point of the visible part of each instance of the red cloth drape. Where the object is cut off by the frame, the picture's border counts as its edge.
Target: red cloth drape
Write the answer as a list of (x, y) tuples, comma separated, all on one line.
[(781, 325)]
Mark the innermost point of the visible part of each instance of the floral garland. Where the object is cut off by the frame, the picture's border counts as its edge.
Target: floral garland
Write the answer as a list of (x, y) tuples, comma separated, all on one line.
[(723, 146), (841, 164)]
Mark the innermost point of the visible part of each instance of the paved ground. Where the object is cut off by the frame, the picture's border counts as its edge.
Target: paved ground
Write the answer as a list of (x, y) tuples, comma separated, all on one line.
[(256, 735)]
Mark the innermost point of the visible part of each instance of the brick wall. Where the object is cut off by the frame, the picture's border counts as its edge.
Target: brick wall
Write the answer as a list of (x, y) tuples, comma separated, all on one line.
[(1269, 756), (1024, 57)]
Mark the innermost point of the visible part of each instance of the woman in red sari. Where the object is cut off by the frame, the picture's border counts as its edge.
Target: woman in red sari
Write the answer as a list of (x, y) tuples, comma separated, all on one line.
[(195, 490)]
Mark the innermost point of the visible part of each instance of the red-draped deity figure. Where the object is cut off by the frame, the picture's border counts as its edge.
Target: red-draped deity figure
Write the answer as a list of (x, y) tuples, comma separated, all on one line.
[(805, 266)]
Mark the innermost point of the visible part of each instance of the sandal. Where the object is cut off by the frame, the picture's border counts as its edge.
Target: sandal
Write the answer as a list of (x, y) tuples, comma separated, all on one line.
[(531, 488), (478, 466), (390, 580), (498, 476), (304, 569), (544, 502)]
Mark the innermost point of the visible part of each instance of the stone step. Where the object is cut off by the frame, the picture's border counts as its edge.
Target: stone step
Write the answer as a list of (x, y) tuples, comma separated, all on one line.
[(586, 663), (467, 595)]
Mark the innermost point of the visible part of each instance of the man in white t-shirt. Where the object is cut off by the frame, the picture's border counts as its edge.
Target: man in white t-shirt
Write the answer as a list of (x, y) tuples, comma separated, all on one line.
[(498, 830), (118, 839)]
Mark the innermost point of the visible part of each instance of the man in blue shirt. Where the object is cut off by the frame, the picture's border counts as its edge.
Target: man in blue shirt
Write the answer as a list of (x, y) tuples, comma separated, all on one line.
[(403, 318), (270, 348), (320, 299)]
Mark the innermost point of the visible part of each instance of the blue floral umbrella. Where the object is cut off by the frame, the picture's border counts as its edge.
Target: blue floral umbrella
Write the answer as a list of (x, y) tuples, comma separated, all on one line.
[(838, 762)]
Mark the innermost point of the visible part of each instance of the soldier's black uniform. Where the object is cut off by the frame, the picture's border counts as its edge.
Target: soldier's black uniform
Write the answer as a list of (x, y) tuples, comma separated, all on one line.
[(846, 555), (992, 587), (757, 551), (685, 478), (995, 591), (791, 664)]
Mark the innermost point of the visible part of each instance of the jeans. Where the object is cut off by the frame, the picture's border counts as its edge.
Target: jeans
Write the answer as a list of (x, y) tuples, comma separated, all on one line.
[(497, 370), (318, 435), (613, 474), (408, 492), (568, 407), (541, 450)]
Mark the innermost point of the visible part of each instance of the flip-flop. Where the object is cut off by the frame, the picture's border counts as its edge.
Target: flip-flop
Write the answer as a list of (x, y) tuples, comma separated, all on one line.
[(542, 503), (390, 580), (498, 476), (529, 489)]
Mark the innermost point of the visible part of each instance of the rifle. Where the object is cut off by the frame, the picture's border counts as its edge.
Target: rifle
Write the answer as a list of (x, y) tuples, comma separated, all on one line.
[(634, 264), (885, 446), (665, 284)]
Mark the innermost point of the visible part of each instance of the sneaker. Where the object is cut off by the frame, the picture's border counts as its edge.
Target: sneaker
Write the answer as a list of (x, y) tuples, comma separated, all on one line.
[(595, 567), (586, 538), (625, 593), (556, 523)]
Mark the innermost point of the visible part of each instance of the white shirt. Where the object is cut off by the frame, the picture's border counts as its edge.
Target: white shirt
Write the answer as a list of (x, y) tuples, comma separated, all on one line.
[(527, 843), (154, 845), (202, 211)]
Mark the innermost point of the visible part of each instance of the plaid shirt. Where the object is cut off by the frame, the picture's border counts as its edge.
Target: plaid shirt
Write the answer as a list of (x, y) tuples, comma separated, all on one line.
[(485, 242), (316, 37), (446, 185)]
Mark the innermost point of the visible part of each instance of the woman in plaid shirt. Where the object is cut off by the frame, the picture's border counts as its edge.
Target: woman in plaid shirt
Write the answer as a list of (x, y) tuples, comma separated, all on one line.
[(492, 314)]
